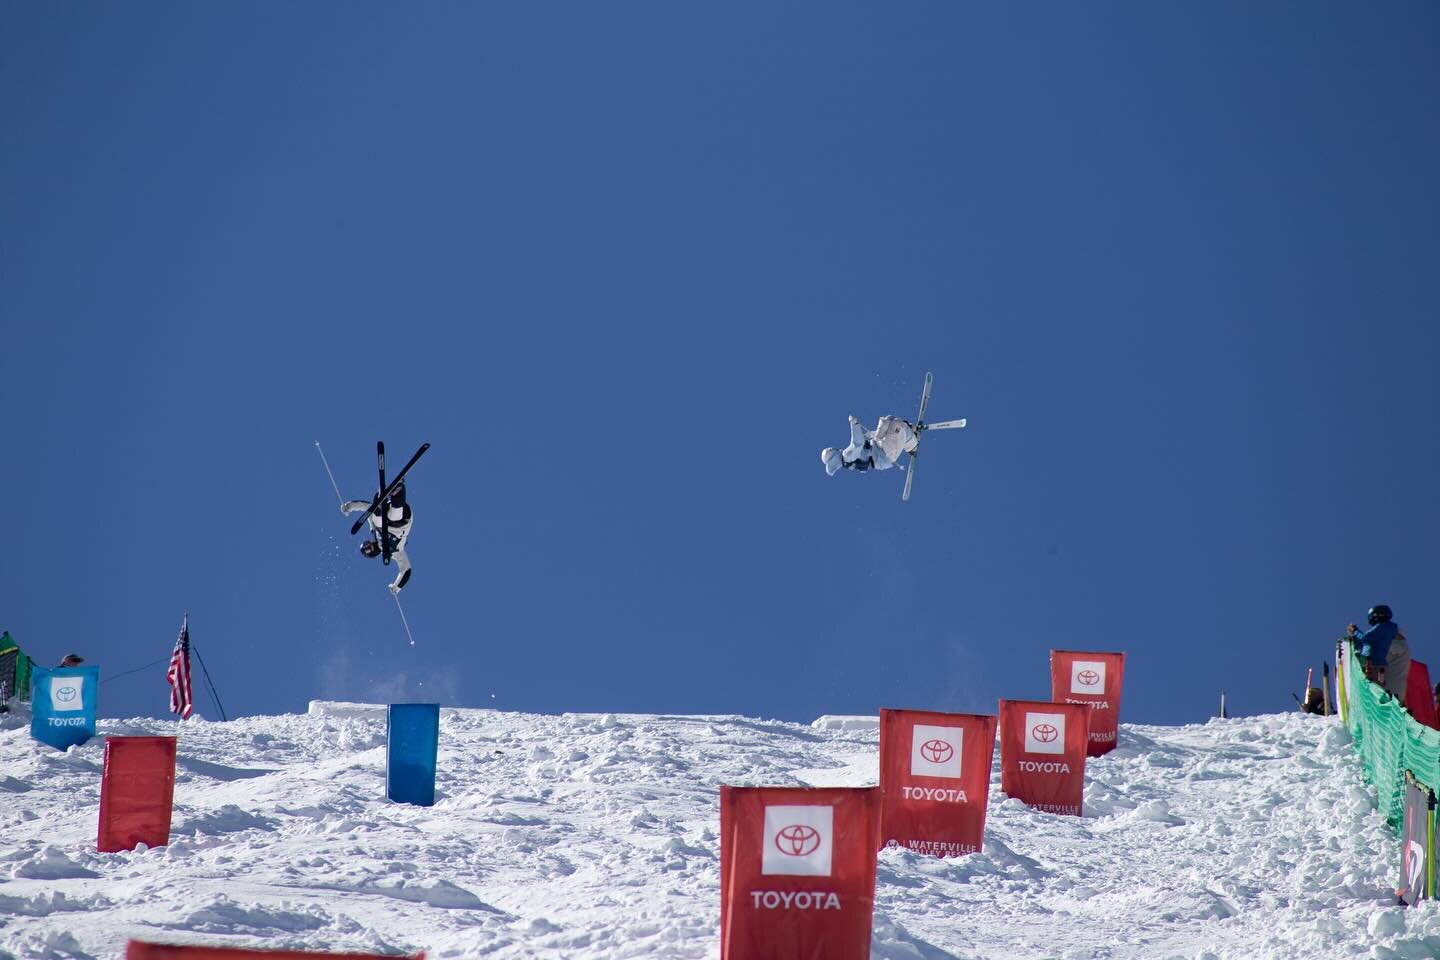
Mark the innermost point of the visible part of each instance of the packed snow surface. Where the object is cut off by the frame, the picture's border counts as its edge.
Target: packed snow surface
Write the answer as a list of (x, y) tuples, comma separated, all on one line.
[(596, 836)]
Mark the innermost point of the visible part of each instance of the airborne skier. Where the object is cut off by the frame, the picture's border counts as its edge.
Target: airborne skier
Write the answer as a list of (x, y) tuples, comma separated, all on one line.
[(390, 526), (881, 448), (389, 515), (876, 449)]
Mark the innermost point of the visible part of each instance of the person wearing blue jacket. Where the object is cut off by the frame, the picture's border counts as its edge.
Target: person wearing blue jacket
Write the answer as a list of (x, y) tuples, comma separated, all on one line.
[(1384, 651)]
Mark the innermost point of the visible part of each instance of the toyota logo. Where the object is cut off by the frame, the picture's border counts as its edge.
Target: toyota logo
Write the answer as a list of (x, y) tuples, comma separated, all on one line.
[(65, 693), (797, 840), (936, 751), (1088, 677), (1044, 732)]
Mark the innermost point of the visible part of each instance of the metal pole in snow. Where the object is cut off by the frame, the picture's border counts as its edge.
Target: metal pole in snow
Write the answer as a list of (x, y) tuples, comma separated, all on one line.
[(203, 669)]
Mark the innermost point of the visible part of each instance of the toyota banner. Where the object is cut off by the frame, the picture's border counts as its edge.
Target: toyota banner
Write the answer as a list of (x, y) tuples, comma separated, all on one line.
[(934, 780), (63, 705), (1094, 679), (797, 872), (1415, 849), (1042, 753)]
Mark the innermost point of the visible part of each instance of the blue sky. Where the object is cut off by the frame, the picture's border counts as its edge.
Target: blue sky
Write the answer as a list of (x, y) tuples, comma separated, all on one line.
[(628, 268)]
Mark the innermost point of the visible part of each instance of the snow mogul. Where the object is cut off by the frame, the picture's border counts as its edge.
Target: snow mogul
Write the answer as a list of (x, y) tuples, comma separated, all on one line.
[(392, 521), (882, 448)]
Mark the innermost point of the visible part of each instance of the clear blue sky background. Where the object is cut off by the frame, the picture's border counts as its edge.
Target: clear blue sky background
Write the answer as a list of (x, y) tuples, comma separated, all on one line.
[(628, 268)]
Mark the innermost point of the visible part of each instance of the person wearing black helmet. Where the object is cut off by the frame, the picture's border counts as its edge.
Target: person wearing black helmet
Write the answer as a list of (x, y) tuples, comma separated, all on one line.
[(1384, 650), (397, 522)]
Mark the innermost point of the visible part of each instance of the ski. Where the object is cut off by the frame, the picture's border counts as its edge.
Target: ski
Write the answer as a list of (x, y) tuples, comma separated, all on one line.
[(385, 493), (384, 511), (946, 425), (919, 428)]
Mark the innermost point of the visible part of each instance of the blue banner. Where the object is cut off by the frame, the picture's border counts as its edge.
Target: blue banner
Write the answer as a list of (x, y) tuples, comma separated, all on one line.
[(63, 705), (414, 740)]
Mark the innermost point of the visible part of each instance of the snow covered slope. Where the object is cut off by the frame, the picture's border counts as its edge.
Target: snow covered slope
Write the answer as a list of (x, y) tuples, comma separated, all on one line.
[(587, 836)]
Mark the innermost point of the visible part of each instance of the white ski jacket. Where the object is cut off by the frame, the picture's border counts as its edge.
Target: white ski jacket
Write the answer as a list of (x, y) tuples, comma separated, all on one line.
[(399, 521), (877, 449)]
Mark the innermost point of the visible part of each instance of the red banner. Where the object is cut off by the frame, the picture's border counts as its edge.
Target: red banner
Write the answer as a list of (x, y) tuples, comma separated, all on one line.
[(934, 780), (136, 950), (136, 791), (797, 872), (1042, 754), (1419, 696), (1094, 679)]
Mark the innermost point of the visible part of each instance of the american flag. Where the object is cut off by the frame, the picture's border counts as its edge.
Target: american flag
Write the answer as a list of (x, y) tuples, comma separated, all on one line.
[(179, 672)]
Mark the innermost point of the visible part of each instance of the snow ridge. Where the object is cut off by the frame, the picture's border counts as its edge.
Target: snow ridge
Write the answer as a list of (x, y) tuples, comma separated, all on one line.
[(596, 837)]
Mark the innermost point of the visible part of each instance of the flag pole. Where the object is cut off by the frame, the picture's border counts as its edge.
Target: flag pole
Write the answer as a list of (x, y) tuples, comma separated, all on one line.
[(206, 671)]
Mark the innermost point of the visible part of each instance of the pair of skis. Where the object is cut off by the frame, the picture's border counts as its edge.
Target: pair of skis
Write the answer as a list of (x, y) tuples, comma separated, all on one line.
[(920, 427)]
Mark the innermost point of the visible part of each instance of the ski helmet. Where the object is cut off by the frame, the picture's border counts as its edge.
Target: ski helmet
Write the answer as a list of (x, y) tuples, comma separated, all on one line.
[(370, 548), (831, 458), (1380, 613)]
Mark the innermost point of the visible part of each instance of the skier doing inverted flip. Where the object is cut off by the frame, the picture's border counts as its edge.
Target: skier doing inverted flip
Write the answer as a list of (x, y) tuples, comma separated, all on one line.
[(395, 523), (876, 449), (881, 448)]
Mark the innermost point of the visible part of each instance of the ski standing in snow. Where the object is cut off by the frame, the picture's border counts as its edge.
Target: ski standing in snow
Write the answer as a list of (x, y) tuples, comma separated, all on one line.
[(882, 448)]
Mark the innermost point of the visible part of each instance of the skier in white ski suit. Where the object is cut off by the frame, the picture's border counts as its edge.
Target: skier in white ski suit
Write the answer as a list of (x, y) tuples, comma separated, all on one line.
[(398, 517), (876, 449)]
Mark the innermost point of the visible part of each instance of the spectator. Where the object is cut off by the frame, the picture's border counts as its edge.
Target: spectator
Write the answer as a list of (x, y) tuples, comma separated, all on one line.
[(72, 660), (1384, 651), (1397, 667)]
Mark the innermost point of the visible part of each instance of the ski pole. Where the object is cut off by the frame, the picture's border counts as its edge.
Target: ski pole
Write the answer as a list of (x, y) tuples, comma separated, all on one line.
[(403, 620), (331, 475)]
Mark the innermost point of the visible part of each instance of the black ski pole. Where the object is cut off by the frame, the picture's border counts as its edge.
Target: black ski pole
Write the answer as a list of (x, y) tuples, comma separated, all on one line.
[(207, 680)]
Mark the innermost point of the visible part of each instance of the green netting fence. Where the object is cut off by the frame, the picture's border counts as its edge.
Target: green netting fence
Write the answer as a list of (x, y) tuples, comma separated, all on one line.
[(1389, 740)]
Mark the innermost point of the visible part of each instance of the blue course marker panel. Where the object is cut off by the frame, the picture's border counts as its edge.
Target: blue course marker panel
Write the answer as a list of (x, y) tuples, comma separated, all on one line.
[(63, 705), (414, 739)]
